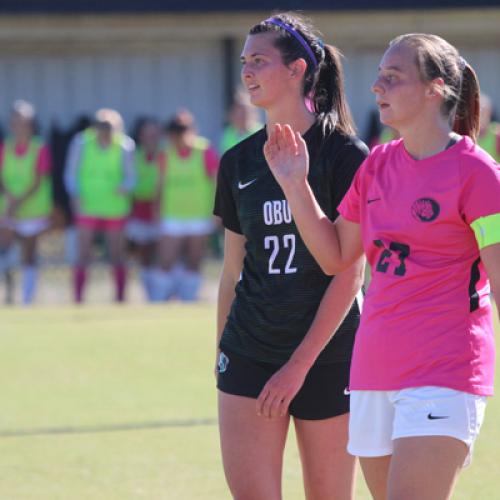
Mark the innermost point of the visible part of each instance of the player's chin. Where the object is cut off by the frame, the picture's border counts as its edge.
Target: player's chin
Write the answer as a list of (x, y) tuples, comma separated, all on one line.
[(258, 100), (386, 118)]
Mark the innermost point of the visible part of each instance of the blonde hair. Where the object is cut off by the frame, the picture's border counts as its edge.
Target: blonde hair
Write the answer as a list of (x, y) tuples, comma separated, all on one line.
[(23, 109), (110, 117), (436, 58)]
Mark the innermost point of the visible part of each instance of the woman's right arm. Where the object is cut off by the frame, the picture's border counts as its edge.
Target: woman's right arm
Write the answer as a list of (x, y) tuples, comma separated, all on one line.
[(234, 253), (334, 245)]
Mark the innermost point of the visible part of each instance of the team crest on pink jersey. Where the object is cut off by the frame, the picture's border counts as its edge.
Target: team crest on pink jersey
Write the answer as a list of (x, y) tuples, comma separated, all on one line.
[(425, 209)]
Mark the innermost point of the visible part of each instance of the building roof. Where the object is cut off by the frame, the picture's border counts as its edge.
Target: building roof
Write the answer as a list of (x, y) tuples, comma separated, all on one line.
[(147, 6)]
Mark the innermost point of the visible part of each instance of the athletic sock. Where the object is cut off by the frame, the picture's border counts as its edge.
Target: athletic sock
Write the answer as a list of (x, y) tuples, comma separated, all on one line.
[(146, 274), (120, 276), (71, 245), (190, 286), (9, 286), (162, 285), (178, 275), (79, 279), (30, 274), (6, 265)]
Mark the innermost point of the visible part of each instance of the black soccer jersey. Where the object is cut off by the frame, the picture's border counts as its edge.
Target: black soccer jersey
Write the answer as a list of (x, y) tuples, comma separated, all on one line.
[(281, 285)]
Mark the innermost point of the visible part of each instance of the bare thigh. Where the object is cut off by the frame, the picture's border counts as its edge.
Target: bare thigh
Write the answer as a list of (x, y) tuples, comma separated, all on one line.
[(116, 246), (376, 474), (195, 251), (146, 253), (252, 449), (425, 467), (7, 237), (169, 251), (28, 249), (85, 240), (328, 470)]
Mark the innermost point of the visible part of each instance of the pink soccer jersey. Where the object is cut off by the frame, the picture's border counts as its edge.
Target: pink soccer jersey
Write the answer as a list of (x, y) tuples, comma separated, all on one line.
[(44, 160), (427, 318)]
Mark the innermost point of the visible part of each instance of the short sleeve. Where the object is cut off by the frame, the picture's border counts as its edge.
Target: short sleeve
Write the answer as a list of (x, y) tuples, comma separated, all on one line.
[(349, 207), (225, 205), (480, 200), (44, 161), (480, 192), (211, 162)]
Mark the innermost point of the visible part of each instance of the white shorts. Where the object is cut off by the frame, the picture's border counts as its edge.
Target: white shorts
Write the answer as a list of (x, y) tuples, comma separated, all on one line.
[(379, 417), (27, 227), (179, 228), (140, 231)]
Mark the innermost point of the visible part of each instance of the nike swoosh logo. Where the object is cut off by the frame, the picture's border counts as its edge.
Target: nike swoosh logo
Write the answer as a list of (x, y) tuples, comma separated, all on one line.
[(372, 200), (347, 391), (435, 417), (243, 185)]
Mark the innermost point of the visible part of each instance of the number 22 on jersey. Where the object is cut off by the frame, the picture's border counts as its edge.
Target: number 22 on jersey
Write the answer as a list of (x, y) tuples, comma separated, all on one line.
[(273, 243)]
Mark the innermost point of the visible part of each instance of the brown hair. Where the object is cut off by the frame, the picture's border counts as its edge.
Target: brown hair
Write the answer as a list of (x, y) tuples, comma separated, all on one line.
[(324, 81), (436, 58)]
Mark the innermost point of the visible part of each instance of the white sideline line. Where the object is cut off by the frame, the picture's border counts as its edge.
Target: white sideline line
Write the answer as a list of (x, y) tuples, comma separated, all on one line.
[(86, 429)]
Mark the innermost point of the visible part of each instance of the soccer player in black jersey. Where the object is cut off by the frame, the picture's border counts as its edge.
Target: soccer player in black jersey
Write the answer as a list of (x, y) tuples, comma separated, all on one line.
[(285, 329)]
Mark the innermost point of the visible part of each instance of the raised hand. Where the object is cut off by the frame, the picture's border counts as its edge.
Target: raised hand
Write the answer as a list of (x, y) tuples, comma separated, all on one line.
[(287, 156)]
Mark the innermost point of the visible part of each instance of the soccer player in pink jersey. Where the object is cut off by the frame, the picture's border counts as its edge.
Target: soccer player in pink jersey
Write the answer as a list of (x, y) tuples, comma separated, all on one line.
[(425, 209)]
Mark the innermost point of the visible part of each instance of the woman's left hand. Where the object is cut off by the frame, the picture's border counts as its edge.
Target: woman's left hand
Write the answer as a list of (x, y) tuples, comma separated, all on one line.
[(281, 388)]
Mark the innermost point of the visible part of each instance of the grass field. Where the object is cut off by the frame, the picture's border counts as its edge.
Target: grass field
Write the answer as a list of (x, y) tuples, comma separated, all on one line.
[(109, 402)]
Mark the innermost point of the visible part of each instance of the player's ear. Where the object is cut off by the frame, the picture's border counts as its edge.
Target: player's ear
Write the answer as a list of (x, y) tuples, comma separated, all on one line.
[(435, 88), (297, 68)]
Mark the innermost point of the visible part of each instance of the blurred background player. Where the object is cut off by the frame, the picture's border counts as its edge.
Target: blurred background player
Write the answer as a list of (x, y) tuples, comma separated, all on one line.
[(99, 178), (242, 121), (142, 227), (187, 191), (26, 206), (489, 130)]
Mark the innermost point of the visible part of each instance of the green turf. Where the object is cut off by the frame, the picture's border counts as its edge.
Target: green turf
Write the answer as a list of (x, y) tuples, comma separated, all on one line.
[(94, 370)]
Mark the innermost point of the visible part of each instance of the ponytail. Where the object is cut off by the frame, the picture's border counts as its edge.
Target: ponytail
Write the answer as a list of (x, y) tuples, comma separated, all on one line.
[(328, 94), (466, 121), (324, 77)]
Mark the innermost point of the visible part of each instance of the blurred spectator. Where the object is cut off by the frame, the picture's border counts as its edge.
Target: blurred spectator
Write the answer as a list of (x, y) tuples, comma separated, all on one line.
[(387, 134), (242, 121), (187, 191), (378, 133), (26, 205), (142, 228), (489, 131), (60, 140), (99, 178)]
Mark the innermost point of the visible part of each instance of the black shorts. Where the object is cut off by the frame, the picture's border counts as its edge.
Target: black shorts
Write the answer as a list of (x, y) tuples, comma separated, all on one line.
[(324, 393)]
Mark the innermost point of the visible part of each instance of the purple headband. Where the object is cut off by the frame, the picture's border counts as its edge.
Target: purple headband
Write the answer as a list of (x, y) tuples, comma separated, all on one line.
[(296, 35)]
